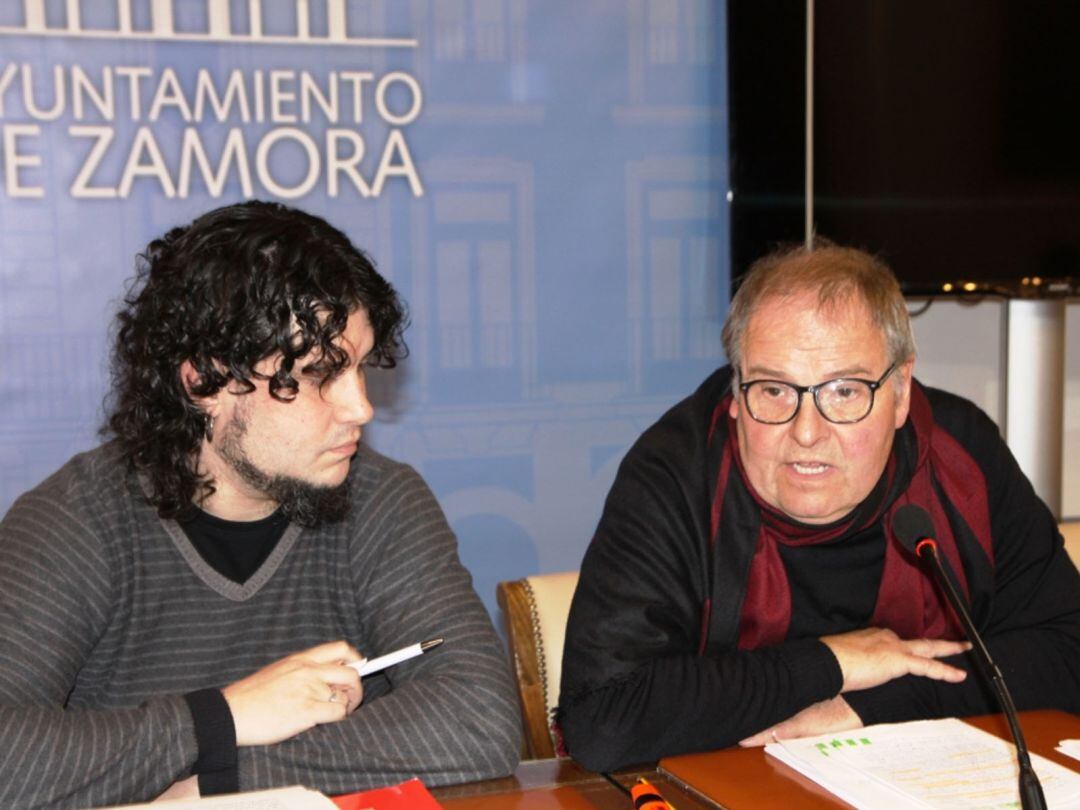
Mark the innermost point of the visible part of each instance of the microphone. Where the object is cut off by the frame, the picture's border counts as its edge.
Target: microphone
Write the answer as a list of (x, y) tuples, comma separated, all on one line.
[(915, 530)]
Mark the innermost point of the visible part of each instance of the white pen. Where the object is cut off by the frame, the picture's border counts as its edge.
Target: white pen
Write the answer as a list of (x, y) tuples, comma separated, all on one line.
[(367, 666)]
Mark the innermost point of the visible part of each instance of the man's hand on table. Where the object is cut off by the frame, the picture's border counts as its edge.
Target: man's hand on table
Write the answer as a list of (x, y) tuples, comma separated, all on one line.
[(874, 655), (828, 715)]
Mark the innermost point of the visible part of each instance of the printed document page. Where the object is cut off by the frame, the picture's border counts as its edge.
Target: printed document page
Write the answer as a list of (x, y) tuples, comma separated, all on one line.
[(290, 798), (1070, 748), (926, 763)]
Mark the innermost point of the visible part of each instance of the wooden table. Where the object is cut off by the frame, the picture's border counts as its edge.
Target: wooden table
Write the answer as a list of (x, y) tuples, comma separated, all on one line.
[(741, 777), (749, 778), (546, 784)]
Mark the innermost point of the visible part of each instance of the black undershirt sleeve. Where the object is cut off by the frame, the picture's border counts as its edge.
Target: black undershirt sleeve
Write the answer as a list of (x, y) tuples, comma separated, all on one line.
[(216, 738)]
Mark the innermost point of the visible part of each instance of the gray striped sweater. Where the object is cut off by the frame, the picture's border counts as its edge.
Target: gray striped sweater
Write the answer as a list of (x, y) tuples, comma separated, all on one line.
[(108, 616)]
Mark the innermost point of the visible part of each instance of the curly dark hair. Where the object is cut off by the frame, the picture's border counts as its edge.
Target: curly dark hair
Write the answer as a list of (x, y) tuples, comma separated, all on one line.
[(237, 285)]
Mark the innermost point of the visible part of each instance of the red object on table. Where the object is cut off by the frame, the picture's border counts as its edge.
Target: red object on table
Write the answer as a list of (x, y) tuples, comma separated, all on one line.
[(410, 795)]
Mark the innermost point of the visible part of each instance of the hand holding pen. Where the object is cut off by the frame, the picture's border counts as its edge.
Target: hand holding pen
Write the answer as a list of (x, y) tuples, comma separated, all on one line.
[(314, 686), (367, 666)]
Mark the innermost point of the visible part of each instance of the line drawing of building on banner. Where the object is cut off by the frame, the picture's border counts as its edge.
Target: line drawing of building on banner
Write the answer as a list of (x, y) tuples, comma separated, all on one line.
[(466, 40), (676, 207), (476, 305), (670, 42), (221, 25), (674, 294), (546, 444)]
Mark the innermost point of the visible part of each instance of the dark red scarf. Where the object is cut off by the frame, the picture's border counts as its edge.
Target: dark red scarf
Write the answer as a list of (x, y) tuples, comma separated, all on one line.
[(907, 602)]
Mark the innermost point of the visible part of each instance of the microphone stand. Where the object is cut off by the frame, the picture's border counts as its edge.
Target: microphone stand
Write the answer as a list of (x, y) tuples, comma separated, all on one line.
[(1031, 792)]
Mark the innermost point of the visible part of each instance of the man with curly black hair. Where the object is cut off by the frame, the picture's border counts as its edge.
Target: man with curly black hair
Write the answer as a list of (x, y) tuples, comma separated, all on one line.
[(180, 604)]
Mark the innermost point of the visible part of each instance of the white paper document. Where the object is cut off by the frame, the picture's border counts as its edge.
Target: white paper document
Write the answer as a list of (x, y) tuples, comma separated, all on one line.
[(923, 764), (1070, 748), (290, 798)]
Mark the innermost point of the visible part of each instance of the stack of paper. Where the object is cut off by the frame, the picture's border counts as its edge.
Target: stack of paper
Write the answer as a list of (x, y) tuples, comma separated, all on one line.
[(927, 763), (290, 798), (1070, 748), (409, 795)]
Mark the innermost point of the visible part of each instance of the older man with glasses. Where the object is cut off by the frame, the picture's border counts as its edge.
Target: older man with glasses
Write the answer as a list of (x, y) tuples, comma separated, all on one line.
[(744, 582)]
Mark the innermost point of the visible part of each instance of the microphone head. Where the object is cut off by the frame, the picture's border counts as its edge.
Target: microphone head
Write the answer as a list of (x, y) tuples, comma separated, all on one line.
[(911, 524)]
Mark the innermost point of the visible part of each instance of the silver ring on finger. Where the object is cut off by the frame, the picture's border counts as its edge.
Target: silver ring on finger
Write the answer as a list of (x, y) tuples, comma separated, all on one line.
[(333, 696)]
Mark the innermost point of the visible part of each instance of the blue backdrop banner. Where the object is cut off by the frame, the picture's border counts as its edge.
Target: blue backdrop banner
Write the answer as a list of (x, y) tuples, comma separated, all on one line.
[(545, 183)]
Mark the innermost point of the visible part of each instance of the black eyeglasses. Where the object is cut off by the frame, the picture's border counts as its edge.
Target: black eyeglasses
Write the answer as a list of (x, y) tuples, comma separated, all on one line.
[(841, 401)]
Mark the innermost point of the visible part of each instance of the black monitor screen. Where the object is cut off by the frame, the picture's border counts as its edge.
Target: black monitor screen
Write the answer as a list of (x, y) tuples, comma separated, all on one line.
[(946, 134)]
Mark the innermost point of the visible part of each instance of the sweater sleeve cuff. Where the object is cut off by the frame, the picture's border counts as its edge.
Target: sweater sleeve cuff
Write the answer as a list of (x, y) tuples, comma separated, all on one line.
[(215, 735), (815, 668), (891, 702)]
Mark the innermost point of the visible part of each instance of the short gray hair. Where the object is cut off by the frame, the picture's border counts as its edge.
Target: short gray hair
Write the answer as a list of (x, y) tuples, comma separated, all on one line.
[(839, 275)]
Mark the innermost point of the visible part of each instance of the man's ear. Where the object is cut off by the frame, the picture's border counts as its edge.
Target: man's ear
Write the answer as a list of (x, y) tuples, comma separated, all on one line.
[(190, 378), (903, 390), (733, 408)]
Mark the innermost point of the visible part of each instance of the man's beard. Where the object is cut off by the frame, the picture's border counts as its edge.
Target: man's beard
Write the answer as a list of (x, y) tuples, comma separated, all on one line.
[(301, 502)]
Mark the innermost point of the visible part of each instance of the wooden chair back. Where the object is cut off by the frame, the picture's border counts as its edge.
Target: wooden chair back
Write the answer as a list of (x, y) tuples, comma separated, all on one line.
[(535, 610)]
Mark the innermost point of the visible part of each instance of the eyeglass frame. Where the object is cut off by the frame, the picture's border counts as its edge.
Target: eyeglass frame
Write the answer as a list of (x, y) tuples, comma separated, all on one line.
[(873, 385)]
